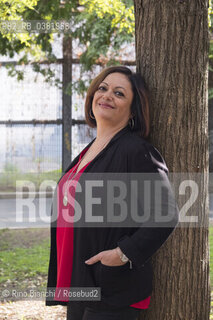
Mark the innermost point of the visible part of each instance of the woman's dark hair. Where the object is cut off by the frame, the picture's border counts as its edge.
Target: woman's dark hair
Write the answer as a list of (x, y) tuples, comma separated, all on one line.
[(140, 103)]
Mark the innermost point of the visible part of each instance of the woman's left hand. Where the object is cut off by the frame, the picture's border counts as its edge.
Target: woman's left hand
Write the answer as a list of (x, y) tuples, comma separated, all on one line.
[(107, 257)]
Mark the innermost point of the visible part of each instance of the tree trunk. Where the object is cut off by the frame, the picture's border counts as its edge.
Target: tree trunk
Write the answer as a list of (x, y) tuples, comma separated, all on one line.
[(172, 55), (67, 103)]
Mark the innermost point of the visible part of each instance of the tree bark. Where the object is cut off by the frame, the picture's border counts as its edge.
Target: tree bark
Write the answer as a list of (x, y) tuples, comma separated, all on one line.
[(67, 103), (172, 54)]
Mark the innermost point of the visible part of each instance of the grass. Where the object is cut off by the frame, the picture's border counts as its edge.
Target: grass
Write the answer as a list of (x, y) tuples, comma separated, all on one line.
[(24, 258), (21, 263), (8, 180)]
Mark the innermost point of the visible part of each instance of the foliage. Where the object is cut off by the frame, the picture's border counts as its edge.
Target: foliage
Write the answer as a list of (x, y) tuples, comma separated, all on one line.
[(11, 175), (210, 16), (10, 168), (101, 28), (123, 17), (106, 34), (13, 10)]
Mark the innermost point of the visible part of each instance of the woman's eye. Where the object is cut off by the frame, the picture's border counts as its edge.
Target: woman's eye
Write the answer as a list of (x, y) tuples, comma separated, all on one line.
[(101, 88), (119, 93)]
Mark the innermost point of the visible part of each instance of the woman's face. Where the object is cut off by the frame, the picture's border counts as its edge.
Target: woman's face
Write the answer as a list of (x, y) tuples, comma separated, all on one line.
[(112, 101)]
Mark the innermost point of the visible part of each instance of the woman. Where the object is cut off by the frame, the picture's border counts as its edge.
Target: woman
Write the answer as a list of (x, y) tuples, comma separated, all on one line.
[(116, 259)]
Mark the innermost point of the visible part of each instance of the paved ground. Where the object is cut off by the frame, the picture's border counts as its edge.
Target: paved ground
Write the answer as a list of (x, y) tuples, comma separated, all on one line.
[(31, 310), (34, 216)]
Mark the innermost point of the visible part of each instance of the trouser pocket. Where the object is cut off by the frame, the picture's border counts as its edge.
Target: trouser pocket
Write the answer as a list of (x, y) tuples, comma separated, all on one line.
[(114, 279)]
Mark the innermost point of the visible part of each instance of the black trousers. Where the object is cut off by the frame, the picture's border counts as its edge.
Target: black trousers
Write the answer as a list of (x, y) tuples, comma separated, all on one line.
[(77, 310)]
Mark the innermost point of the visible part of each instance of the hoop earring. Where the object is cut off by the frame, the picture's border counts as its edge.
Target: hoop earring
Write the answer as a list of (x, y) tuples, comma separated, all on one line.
[(91, 114), (131, 123)]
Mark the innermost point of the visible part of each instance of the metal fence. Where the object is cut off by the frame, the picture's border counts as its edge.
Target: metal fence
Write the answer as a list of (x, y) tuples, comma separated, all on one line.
[(41, 127)]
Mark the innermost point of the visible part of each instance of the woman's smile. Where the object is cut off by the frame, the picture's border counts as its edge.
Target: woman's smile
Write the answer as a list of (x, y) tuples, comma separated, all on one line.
[(106, 105)]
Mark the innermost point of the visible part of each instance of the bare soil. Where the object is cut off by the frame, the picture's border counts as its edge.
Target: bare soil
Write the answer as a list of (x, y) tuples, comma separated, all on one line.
[(22, 238)]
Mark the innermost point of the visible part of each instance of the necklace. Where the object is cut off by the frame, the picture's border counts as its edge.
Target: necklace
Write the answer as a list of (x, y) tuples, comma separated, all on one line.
[(65, 198)]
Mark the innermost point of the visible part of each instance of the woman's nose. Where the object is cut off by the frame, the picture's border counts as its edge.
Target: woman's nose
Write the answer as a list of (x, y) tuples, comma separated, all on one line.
[(108, 94)]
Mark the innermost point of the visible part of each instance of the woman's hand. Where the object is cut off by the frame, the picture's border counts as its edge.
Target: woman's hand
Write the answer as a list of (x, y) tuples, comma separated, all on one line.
[(107, 257)]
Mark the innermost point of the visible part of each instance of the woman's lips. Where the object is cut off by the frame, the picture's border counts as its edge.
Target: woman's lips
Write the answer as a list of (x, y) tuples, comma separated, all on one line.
[(104, 105)]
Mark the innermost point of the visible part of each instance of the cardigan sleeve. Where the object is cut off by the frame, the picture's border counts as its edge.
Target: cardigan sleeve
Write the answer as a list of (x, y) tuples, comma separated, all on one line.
[(150, 236)]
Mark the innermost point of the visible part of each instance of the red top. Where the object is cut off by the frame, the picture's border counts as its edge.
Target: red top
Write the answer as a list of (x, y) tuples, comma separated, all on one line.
[(65, 235)]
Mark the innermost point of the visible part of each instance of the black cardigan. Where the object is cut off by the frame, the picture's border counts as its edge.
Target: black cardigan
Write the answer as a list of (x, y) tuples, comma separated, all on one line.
[(120, 285)]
